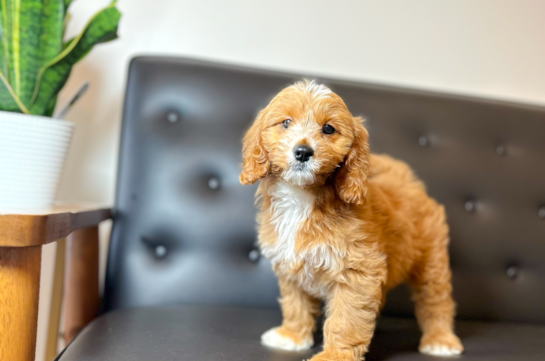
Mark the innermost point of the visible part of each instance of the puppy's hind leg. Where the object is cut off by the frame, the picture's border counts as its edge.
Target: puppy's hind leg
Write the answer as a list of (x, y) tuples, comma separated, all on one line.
[(434, 306)]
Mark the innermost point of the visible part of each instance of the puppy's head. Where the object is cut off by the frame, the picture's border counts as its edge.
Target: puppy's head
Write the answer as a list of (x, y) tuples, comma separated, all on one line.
[(306, 135)]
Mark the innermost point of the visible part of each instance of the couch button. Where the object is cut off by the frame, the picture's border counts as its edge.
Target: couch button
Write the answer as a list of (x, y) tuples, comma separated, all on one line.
[(541, 212), (173, 117), (512, 272), (500, 150), (470, 205), (254, 255), (214, 183), (160, 251), (423, 141)]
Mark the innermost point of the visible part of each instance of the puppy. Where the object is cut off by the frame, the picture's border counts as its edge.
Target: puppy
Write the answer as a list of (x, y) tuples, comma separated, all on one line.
[(344, 226)]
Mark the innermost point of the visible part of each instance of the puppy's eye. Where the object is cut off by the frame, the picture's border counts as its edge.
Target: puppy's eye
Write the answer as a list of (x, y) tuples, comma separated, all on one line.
[(328, 129), (286, 123)]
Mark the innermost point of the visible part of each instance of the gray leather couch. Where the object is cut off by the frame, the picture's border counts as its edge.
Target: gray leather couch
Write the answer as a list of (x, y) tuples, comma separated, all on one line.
[(184, 279)]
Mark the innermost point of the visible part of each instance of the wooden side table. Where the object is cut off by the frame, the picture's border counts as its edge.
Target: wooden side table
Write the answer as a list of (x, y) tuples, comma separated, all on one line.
[(21, 239)]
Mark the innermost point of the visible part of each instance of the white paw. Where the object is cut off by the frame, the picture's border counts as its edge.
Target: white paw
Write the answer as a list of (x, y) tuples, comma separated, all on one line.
[(440, 350), (272, 338)]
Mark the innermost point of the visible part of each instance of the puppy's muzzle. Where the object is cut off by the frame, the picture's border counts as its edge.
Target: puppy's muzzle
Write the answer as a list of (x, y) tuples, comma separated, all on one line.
[(303, 153)]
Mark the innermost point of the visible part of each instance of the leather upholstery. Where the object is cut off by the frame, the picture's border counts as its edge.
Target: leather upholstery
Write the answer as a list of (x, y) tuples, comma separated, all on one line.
[(184, 228), (211, 333)]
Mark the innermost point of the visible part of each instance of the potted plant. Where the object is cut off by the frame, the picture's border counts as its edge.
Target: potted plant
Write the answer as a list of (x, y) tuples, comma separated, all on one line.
[(35, 63)]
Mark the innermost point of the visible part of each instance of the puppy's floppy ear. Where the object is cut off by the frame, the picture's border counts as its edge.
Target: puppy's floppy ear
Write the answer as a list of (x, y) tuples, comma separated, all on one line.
[(351, 178), (255, 160)]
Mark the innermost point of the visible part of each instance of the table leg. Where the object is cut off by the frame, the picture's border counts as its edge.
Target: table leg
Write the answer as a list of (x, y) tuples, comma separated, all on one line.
[(19, 296), (56, 302), (81, 298)]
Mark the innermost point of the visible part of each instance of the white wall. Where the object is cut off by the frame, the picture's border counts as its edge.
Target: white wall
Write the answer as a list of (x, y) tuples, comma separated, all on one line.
[(486, 48), (492, 48)]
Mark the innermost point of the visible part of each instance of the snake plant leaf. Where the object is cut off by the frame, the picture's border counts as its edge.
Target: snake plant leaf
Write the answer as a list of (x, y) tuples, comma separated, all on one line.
[(7, 43), (52, 29), (8, 97), (6, 100), (26, 46), (31, 36), (51, 41), (3, 44), (52, 77)]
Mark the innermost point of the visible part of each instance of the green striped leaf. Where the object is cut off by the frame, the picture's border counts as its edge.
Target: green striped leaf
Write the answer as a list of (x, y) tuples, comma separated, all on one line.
[(7, 41), (52, 77), (34, 61), (7, 95), (3, 68), (31, 36), (9, 101), (51, 33), (26, 48)]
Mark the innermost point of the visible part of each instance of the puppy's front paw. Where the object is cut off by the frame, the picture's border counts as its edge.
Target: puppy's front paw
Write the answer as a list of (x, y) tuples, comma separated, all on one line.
[(279, 337), (329, 355), (441, 345)]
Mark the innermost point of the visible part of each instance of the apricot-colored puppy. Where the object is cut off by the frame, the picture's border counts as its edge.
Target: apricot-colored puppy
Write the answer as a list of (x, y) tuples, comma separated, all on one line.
[(343, 226)]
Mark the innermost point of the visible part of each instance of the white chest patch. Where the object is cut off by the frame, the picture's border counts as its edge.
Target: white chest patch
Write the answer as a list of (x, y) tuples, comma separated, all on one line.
[(290, 207)]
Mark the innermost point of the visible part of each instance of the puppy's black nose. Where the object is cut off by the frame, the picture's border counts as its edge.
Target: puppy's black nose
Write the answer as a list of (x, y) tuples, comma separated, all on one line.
[(303, 152)]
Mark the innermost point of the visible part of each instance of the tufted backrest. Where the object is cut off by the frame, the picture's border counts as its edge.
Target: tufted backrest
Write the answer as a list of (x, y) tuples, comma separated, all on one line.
[(184, 229)]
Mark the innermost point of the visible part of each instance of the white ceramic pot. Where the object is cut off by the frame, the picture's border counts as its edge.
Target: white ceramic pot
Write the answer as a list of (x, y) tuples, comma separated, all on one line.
[(32, 155)]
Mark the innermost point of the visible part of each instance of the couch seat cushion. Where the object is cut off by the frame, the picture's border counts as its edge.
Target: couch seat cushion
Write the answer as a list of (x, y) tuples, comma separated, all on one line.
[(212, 333)]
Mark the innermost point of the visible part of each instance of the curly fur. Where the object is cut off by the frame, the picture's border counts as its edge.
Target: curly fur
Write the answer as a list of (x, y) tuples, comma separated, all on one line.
[(344, 227)]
